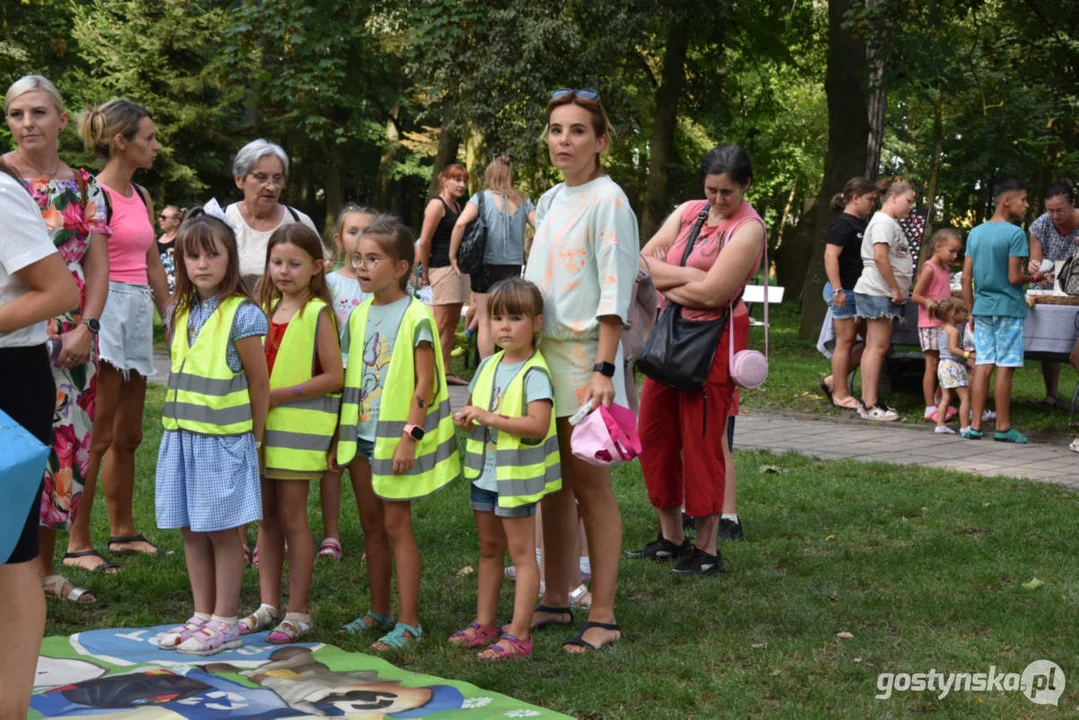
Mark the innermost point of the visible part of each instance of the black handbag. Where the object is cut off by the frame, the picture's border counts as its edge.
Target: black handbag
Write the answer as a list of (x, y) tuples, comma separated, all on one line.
[(679, 352), (474, 246)]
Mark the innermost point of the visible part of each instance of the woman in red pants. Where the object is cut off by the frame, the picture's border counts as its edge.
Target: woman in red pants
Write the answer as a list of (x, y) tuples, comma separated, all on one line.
[(685, 433)]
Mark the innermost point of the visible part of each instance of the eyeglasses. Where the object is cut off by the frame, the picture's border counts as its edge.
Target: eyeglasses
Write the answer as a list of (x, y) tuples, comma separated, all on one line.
[(371, 261), (163, 216), (583, 93), (264, 179)]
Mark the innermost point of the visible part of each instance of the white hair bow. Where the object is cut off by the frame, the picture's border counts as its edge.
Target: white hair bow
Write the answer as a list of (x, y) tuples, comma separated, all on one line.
[(213, 209)]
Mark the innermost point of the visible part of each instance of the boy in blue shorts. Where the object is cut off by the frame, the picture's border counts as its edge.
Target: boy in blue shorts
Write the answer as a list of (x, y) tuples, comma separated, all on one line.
[(994, 264)]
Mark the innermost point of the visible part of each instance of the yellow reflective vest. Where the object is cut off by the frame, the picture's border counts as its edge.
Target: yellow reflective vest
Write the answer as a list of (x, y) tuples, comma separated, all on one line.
[(204, 395), (437, 463), (527, 470), (299, 432)]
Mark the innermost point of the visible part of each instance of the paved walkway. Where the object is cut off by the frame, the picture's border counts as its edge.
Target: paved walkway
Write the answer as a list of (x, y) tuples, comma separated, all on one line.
[(837, 438), (834, 439)]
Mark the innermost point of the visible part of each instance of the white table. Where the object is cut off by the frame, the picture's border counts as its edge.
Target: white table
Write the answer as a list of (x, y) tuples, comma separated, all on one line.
[(1049, 330)]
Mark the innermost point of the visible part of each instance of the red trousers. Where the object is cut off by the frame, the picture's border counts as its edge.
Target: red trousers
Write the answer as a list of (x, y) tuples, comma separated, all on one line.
[(681, 435)]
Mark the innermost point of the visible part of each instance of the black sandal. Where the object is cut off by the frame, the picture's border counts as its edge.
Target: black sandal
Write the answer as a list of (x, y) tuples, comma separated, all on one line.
[(157, 552), (579, 640), (553, 611), (827, 392), (104, 567)]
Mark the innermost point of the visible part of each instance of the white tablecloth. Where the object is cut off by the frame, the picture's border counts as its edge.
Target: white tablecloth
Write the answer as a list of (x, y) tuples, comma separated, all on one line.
[(1048, 329)]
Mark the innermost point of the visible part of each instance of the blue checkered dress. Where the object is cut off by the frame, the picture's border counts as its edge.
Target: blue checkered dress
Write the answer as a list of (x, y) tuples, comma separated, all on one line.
[(211, 482)]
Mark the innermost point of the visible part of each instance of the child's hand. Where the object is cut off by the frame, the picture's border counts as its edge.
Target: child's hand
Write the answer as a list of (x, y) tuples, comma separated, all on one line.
[(471, 415), (277, 397), (331, 456), (897, 297), (404, 456)]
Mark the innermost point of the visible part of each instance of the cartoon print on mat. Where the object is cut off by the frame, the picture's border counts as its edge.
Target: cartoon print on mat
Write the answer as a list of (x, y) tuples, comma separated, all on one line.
[(122, 674)]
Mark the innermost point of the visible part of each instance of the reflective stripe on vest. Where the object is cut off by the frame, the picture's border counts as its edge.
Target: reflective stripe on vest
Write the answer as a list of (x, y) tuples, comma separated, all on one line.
[(437, 462), (525, 471), (299, 432), (204, 395)]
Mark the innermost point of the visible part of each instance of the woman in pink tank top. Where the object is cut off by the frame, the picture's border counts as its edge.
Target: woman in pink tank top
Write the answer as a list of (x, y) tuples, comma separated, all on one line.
[(122, 133), (934, 284), (686, 456)]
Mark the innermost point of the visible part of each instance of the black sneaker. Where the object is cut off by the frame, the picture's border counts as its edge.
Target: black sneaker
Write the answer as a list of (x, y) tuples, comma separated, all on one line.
[(661, 549), (730, 530), (700, 563)]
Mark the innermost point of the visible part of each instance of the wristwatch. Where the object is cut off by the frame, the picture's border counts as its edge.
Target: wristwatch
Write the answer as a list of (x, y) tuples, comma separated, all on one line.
[(414, 431), (92, 323), (604, 368)]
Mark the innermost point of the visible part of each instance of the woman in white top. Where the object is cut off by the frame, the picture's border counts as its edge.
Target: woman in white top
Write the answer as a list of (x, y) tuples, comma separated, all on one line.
[(260, 171), (887, 274), (584, 259), (35, 285)]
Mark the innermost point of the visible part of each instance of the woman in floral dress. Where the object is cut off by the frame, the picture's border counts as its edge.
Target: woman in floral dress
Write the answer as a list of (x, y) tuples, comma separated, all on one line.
[(72, 207)]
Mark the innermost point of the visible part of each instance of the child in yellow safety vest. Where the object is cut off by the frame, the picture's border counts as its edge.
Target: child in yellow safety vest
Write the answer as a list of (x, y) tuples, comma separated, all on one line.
[(304, 360), (396, 434), (512, 459), (214, 415)]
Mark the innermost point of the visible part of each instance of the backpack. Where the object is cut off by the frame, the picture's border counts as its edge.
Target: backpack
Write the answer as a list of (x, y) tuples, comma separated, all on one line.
[(1068, 277), (641, 317), (474, 246)]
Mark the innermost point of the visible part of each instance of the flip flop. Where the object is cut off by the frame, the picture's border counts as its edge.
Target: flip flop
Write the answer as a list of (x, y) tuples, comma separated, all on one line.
[(827, 392), (454, 380), (848, 403), (104, 567), (124, 539)]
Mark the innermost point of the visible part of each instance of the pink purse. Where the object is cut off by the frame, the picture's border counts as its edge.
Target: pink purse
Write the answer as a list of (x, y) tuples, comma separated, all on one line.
[(749, 368), (606, 436)]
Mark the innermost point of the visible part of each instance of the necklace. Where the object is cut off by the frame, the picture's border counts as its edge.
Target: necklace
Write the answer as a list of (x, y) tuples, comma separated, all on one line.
[(27, 163)]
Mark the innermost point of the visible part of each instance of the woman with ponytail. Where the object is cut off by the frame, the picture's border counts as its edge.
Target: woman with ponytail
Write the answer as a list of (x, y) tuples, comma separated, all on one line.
[(843, 265), (122, 133)]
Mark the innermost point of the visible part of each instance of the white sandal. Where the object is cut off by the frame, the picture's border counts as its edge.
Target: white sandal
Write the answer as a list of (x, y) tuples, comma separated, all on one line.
[(577, 595), (266, 616), (54, 585)]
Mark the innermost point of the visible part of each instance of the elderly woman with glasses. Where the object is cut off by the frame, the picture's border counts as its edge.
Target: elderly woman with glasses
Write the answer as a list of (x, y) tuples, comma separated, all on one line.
[(260, 171)]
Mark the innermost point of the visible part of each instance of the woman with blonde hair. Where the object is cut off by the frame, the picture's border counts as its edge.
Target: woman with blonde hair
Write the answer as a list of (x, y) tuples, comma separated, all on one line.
[(73, 208), (123, 134), (506, 211)]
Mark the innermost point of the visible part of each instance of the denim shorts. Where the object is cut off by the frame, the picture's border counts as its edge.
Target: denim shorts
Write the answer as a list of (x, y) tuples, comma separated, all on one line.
[(487, 501), (849, 309), (365, 448), (998, 340), (875, 307)]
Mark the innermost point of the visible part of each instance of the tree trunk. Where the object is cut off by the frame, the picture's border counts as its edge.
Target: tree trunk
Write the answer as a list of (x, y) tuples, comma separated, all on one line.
[(657, 192), (448, 144), (383, 181), (878, 105), (848, 132), (934, 176)]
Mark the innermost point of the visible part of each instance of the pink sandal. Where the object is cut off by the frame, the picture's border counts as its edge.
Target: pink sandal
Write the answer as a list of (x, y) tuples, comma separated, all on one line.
[(517, 649), (331, 548), (475, 635)]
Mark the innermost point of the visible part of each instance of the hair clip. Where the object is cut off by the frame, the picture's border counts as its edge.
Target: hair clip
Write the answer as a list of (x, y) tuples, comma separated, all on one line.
[(213, 209)]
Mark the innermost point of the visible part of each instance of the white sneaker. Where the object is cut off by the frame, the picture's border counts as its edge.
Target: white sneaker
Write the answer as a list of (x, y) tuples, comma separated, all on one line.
[(879, 413), (943, 430), (1074, 447)]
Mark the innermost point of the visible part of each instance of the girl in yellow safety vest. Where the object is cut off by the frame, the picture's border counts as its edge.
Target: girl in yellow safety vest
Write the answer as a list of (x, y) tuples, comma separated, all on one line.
[(512, 459), (304, 359), (214, 414), (396, 435)]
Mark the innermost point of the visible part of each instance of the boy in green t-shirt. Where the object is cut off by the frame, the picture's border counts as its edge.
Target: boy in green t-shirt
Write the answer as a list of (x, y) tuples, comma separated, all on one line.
[(994, 265)]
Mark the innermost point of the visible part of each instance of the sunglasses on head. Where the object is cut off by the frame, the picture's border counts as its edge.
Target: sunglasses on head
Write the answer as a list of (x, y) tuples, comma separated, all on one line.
[(583, 93)]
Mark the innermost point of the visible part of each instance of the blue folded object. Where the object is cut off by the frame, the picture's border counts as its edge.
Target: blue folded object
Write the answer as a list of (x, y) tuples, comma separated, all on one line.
[(22, 465)]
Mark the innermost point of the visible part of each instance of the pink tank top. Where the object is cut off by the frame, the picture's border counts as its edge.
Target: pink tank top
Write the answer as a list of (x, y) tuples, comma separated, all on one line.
[(132, 236), (709, 242), (939, 288)]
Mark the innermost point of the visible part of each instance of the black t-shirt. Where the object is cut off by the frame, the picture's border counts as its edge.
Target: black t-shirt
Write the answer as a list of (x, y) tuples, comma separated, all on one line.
[(440, 243), (846, 231)]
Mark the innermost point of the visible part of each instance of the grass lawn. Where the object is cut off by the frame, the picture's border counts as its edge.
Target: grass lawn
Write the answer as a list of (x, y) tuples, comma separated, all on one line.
[(796, 369), (925, 568)]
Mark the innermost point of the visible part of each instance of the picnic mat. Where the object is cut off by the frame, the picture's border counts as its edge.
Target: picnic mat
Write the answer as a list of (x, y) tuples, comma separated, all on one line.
[(123, 674)]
